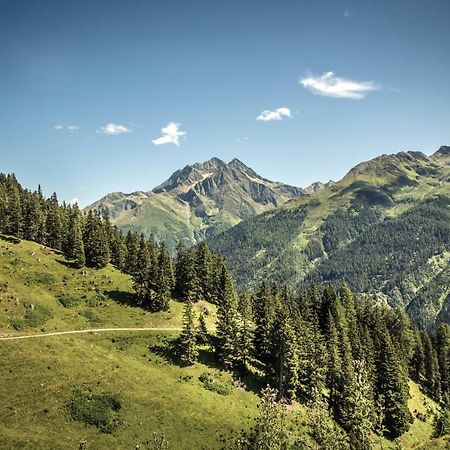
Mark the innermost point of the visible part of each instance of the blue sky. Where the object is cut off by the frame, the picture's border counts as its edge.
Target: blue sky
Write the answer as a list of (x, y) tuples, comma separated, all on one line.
[(87, 86)]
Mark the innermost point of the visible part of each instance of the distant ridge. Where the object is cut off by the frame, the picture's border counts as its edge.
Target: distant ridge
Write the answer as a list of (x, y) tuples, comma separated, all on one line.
[(198, 201)]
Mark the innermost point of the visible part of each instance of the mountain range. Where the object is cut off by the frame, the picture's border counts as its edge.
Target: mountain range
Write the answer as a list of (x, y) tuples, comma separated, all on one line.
[(384, 228), (198, 202)]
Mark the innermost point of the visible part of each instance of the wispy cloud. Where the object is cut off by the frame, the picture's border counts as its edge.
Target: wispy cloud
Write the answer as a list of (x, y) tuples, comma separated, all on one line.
[(330, 85), (241, 140), (74, 201), (114, 129), (347, 14), (171, 134), (70, 128), (268, 115)]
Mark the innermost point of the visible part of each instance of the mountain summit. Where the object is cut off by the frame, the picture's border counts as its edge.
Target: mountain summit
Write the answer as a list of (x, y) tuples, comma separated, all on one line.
[(197, 201)]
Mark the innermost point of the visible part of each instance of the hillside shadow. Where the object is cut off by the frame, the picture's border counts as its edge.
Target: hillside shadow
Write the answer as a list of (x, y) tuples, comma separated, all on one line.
[(169, 350), (123, 298), (70, 265)]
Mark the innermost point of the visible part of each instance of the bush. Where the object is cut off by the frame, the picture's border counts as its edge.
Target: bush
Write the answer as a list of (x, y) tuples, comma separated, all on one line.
[(96, 300), (40, 278), (99, 410), (91, 317), (35, 316), (17, 323), (68, 301), (212, 384)]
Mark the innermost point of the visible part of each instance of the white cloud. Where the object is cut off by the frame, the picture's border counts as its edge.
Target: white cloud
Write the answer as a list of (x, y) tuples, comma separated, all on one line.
[(114, 129), (70, 128), (241, 140), (170, 134), (347, 14), (74, 201), (268, 115), (330, 85)]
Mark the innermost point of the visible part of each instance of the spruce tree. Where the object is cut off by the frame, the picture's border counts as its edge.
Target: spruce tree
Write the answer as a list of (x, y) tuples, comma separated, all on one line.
[(264, 313), (118, 249), (96, 247), (431, 367), (203, 262), (142, 278), (286, 358), (188, 337), (202, 331), (53, 225), (132, 244), (245, 329), (227, 327), (74, 241), (164, 280), (34, 219), (392, 385)]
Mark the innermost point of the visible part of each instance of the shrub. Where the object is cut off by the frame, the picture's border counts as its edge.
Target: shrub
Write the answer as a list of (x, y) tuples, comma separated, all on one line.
[(212, 384), (96, 300), (40, 278), (17, 323), (36, 315), (91, 317), (68, 301), (99, 410)]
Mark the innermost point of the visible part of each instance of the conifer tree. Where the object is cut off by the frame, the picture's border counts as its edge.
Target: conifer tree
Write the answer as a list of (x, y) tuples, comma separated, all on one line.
[(96, 246), (34, 219), (286, 358), (132, 244), (245, 329), (393, 386), (53, 225), (74, 242), (202, 330), (264, 313), (203, 262), (324, 430), (431, 367), (270, 431), (14, 222), (227, 327), (142, 278), (188, 337), (441, 342), (118, 249), (164, 280), (360, 412)]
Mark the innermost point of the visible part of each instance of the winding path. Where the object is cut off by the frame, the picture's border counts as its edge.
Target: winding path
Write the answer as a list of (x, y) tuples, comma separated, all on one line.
[(91, 330)]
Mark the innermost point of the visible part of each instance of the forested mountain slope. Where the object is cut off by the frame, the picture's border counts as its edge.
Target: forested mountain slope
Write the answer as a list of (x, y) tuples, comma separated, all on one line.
[(384, 228), (197, 201)]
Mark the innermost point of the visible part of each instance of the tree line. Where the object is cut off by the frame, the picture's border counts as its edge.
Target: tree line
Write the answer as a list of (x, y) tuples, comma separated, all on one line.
[(89, 239), (350, 361)]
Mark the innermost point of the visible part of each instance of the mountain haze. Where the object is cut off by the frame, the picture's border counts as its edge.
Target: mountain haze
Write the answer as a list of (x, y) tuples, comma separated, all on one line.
[(197, 201)]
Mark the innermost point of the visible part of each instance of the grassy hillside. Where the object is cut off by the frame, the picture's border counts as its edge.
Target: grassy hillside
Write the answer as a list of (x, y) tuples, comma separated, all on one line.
[(39, 291), (53, 388)]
